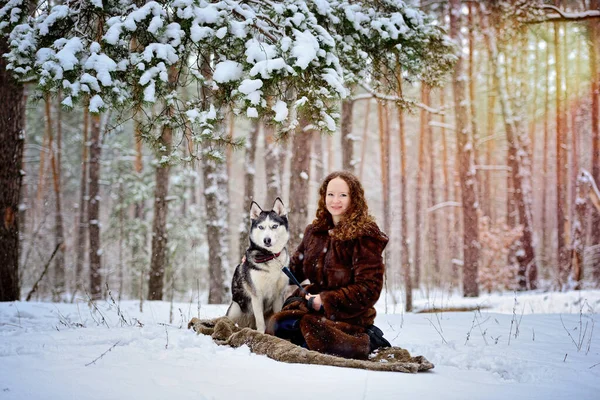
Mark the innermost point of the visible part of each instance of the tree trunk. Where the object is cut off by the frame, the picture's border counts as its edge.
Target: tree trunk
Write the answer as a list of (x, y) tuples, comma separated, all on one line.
[(12, 125), (405, 252), (545, 228), (249, 173), (450, 228), (273, 161), (419, 186), (318, 157), (384, 143), (216, 204), (347, 135), (95, 251), (584, 183), (488, 195), (160, 239), (432, 220), (299, 182), (59, 259), (576, 127), (81, 227), (468, 178), (561, 188), (472, 96), (594, 48), (363, 142), (139, 241)]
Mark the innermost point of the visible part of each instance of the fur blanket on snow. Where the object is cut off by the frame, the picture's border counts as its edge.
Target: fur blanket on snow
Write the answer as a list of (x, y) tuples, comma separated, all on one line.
[(225, 332)]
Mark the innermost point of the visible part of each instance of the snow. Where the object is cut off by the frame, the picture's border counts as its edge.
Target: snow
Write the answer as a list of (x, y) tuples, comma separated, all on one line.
[(281, 111), (53, 351), (305, 48), (227, 71)]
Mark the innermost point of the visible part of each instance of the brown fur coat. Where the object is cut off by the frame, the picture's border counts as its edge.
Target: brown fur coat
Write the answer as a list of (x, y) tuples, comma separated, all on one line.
[(348, 274)]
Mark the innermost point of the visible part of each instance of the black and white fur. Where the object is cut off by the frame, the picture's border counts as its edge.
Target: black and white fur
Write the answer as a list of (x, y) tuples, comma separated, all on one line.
[(258, 287)]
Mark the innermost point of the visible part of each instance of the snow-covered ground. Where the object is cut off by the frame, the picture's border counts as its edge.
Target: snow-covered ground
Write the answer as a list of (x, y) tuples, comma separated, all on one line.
[(518, 346)]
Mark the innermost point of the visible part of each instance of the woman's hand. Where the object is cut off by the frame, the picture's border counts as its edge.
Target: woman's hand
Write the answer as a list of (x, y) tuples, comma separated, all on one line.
[(315, 301)]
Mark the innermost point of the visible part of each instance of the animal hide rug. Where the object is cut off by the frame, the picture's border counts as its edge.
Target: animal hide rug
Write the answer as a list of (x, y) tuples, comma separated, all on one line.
[(225, 332)]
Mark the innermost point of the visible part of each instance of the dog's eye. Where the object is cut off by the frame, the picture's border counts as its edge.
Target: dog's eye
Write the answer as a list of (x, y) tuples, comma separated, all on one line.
[(261, 227), (274, 226)]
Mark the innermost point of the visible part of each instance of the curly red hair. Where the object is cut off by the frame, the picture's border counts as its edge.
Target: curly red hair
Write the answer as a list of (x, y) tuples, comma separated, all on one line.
[(356, 221)]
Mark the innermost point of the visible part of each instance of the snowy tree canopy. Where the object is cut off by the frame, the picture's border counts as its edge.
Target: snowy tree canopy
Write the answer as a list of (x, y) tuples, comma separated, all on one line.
[(267, 59)]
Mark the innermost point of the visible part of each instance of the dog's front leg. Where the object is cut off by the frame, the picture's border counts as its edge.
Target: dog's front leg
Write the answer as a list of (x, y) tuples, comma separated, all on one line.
[(278, 304), (259, 317)]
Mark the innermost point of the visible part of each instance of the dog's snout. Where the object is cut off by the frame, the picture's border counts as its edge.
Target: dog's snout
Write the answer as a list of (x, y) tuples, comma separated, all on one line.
[(267, 241)]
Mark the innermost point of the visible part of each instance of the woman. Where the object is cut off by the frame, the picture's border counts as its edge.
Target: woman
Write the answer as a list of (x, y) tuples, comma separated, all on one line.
[(340, 255)]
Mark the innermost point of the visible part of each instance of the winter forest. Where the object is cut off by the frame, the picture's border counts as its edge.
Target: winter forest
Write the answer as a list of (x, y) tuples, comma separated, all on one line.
[(136, 134)]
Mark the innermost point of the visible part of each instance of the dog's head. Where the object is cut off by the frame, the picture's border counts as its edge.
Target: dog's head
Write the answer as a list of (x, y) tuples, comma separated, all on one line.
[(269, 228)]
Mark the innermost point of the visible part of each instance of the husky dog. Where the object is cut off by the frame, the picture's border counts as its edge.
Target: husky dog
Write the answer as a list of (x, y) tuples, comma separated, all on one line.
[(258, 283)]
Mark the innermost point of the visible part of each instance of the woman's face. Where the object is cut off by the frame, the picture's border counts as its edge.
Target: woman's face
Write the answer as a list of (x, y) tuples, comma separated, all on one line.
[(337, 198)]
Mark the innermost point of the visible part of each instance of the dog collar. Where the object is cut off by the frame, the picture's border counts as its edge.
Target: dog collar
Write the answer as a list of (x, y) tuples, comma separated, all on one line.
[(263, 259)]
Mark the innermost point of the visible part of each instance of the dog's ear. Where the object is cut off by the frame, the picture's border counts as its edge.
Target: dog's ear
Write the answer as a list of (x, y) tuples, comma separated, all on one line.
[(279, 208), (255, 210)]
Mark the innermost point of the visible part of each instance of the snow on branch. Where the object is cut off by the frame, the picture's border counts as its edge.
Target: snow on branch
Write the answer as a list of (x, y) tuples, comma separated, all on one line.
[(443, 205), (372, 93), (564, 16), (197, 58)]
